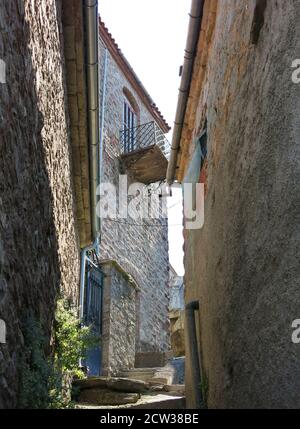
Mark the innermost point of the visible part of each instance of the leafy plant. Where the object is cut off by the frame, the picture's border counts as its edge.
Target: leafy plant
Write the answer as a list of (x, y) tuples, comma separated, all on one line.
[(72, 341), (45, 382), (34, 369)]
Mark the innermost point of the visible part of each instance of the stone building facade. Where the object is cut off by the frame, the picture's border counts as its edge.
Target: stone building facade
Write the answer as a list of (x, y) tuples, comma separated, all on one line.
[(139, 247), (176, 290), (119, 319), (46, 215), (176, 313), (39, 242), (243, 265)]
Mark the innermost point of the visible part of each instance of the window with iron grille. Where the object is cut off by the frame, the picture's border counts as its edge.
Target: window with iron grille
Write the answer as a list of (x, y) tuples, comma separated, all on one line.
[(129, 122), (93, 298)]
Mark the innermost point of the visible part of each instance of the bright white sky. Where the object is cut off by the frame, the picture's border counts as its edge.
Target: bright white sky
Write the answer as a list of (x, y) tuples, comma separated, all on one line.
[(152, 36)]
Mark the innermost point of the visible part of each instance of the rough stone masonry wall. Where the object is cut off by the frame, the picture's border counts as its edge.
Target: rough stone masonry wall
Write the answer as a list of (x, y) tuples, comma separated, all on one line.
[(39, 251), (141, 248), (244, 264), (119, 318)]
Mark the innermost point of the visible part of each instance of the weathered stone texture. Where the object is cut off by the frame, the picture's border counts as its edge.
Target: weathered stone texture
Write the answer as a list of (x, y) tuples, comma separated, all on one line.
[(37, 232), (140, 247), (243, 265), (107, 397), (176, 291), (125, 385), (176, 313), (151, 359), (177, 332), (119, 320)]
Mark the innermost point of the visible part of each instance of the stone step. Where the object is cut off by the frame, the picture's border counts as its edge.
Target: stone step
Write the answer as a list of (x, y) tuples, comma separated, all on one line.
[(98, 397), (124, 385), (175, 389), (157, 381), (165, 374), (141, 374), (172, 390), (118, 391), (160, 402), (146, 402)]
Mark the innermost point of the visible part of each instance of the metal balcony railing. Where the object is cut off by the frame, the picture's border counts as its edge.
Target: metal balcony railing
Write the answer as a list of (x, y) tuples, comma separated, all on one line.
[(143, 136)]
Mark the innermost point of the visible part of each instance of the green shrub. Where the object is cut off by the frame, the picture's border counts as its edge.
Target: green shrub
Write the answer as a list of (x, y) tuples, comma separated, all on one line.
[(34, 368), (45, 382), (72, 341)]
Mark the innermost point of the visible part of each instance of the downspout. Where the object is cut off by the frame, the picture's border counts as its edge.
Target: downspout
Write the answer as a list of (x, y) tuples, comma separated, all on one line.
[(91, 24), (196, 15), (102, 115), (92, 72), (194, 354)]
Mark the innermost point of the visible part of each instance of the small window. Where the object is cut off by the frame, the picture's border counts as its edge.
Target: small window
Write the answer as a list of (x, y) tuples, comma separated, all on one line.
[(129, 124), (129, 120)]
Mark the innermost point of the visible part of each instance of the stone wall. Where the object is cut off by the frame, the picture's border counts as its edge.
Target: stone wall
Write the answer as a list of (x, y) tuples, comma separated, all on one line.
[(176, 313), (119, 320), (243, 265), (141, 248), (176, 291), (177, 322), (39, 249)]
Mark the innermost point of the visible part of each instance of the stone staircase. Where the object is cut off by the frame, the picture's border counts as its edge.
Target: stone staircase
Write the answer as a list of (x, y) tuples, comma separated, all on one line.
[(149, 390), (152, 376)]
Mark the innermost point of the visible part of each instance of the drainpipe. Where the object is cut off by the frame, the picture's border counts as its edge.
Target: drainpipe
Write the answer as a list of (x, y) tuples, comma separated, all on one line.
[(92, 72), (194, 354), (91, 23), (102, 116), (184, 90)]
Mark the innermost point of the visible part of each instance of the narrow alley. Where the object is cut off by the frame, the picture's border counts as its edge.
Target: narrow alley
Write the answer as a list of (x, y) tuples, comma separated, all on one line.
[(149, 244)]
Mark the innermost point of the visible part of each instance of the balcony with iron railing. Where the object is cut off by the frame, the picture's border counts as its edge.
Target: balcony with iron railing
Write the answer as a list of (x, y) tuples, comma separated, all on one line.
[(145, 152)]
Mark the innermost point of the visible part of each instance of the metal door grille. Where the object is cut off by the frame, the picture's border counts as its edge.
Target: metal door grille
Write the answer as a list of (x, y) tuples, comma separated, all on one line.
[(93, 301)]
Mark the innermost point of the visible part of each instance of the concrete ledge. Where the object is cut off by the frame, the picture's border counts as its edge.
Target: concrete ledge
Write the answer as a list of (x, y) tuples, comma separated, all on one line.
[(112, 263)]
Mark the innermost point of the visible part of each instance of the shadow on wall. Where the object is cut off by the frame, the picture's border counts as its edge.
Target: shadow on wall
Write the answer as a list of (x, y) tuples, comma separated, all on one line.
[(30, 272)]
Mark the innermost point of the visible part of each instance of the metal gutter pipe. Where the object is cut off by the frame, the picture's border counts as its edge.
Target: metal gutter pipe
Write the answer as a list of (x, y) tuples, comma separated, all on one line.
[(195, 366), (196, 15), (102, 115), (92, 72), (93, 76)]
